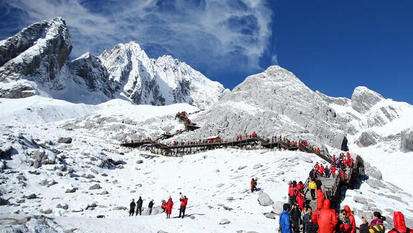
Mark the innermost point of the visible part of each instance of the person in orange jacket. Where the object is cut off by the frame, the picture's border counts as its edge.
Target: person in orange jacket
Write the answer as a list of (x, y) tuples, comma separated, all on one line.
[(326, 218), (399, 223), (350, 216)]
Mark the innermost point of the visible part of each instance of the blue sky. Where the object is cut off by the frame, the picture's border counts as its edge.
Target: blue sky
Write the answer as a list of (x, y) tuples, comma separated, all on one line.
[(333, 46)]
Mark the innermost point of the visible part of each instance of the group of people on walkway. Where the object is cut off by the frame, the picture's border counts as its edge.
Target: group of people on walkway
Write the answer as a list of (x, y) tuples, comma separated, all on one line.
[(166, 206), (326, 220)]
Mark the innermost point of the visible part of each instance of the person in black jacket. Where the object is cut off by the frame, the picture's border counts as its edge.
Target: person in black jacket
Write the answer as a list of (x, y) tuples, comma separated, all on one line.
[(295, 218), (150, 206), (307, 218), (132, 207), (139, 203), (364, 227)]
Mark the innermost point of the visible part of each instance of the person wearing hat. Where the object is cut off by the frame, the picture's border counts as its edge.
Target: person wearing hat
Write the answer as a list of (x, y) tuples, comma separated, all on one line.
[(376, 225)]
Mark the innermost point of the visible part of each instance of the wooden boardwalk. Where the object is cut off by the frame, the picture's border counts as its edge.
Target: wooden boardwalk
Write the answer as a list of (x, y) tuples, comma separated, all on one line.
[(179, 149)]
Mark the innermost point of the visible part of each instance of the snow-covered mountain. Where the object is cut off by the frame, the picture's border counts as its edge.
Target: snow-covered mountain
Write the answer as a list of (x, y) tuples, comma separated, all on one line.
[(157, 82), (272, 103), (36, 61)]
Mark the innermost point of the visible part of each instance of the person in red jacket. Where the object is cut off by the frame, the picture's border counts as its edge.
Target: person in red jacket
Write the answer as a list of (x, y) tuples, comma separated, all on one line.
[(184, 203), (350, 216), (300, 187), (320, 197), (168, 208), (345, 226), (326, 218), (399, 223), (300, 201), (333, 170), (321, 170), (292, 192)]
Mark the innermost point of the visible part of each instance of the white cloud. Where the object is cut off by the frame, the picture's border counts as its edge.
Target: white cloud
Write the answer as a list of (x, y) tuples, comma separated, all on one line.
[(213, 35)]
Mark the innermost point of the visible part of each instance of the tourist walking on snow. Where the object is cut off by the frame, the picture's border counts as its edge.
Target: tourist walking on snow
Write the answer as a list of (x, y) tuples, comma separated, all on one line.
[(285, 223), (168, 207), (150, 206), (139, 204), (253, 184), (132, 207), (182, 208)]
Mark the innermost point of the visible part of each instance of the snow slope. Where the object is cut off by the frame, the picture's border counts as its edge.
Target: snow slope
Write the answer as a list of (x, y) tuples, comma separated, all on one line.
[(216, 182)]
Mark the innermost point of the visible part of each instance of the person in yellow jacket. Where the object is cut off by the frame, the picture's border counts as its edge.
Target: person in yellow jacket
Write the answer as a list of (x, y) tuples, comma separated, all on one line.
[(312, 186)]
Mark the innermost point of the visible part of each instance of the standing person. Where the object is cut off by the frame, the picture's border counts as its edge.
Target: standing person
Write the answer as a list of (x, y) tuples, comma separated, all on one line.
[(399, 224), (169, 206), (300, 186), (307, 218), (150, 206), (295, 218), (345, 226), (327, 172), (312, 186), (139, 204), (253, 185), (377, 225), (184, 203), (132, 207), (291, 193), (364, 226), (350, 216), (300, 201), (320, 196), (163, 205), (285, 224), (327, 218)]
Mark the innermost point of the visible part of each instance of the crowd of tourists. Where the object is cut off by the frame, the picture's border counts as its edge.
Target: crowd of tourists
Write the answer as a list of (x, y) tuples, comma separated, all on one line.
[(135, 208)]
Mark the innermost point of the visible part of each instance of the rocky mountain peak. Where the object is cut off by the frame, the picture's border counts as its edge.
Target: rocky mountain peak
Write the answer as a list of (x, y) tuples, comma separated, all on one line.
[(33, 58), (363, 99)]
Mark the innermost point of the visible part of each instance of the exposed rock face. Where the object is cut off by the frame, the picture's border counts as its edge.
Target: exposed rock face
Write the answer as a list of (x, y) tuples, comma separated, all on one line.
[(367, 138), (406, 143), (363, 99), (158, 82), (273, 102), (91, 70), (37, 54)]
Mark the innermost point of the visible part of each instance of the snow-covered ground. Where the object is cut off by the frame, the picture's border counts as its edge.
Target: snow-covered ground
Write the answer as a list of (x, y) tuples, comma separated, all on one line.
[(216, 182)]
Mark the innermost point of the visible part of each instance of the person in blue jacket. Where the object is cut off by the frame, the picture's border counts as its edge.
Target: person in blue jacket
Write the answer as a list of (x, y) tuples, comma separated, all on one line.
[(285, 223)]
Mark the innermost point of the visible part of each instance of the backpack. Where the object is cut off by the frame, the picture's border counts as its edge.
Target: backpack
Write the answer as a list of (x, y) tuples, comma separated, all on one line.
[(379, 228)]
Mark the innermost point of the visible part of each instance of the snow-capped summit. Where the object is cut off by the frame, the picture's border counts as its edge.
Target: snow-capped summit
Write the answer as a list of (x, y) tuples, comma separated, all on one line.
[(274, 102), (363, 99), (35, 61), (162, 81)]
